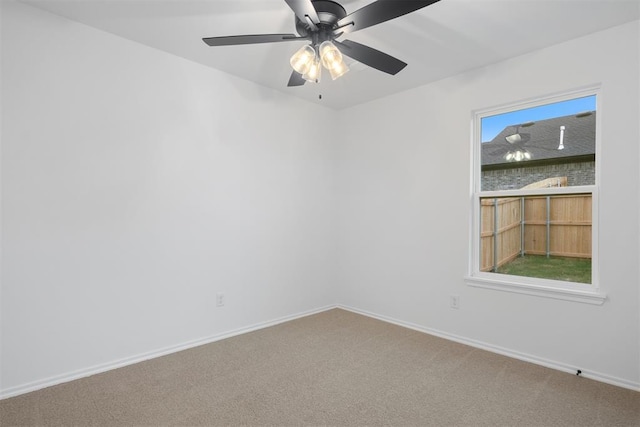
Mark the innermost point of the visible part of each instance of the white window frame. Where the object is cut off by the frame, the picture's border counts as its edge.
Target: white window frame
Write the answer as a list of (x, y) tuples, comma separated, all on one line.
[(580, 292)]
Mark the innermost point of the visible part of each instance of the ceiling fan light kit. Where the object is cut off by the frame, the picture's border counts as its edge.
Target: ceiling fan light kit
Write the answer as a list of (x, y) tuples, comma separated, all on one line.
[(308, 63), (320, 23), (517, 156)]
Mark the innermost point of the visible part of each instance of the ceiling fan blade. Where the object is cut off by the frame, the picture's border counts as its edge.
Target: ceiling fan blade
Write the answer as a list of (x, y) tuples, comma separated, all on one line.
[(302, 9), (296, 79), (499, 151), (250, 39), (371, 57), (377, 12)]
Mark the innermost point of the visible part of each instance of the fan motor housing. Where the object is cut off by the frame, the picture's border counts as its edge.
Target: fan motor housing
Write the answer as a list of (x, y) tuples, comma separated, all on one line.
[(329, 12)]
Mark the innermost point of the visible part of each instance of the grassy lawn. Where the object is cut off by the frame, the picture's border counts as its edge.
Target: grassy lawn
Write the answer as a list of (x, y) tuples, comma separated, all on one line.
[(556, 268)]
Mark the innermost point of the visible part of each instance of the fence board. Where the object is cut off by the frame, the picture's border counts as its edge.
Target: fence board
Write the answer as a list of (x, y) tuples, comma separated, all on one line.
[(569, 228)]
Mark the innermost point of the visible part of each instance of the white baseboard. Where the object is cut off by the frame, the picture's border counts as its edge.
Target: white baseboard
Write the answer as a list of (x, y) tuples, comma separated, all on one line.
[(82, 373), (597, 376)]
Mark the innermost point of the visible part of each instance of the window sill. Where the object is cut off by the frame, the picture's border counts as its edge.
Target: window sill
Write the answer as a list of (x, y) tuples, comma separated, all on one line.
[(588, 297)]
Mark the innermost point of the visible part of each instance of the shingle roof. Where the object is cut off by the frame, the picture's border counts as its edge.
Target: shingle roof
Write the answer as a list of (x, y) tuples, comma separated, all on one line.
[(579, 140)]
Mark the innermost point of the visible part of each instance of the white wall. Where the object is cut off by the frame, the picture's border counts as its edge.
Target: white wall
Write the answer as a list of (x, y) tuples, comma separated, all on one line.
[(136, 185), (404, 170)]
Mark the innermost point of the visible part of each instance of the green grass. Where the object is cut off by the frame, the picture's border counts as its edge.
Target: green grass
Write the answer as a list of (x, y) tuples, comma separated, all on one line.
[(555, 268)]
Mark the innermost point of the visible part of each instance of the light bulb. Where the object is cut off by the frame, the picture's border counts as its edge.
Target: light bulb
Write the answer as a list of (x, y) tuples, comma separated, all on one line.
[(509, 156), (330, 55), (518, 156), (302, 60), (332, 59), (527, 155), (314, 71), (338, 70)]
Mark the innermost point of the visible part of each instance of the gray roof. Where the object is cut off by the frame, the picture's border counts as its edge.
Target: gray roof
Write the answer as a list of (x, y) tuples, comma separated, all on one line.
[(543, 140)]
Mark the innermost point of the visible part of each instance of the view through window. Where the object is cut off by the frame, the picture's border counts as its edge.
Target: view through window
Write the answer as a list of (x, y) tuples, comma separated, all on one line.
[(535, 191)]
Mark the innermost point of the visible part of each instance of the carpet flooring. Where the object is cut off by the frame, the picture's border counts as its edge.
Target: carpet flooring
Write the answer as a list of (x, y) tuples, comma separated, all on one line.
[(332, 368)]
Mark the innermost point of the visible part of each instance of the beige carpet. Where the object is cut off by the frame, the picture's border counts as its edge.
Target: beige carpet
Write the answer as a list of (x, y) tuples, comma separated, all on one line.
[(333, 368)]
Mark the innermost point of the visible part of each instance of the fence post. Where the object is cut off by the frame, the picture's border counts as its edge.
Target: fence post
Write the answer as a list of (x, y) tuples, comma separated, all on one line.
[(522, 226), (495, 235), (548, 225)]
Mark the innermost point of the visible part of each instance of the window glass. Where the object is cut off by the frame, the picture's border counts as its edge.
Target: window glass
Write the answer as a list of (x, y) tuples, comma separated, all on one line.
[(551, 145), (535, 188), (546, 237)]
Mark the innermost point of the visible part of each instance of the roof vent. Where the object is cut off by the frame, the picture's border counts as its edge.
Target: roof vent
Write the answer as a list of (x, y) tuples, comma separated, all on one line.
[(561, 146)]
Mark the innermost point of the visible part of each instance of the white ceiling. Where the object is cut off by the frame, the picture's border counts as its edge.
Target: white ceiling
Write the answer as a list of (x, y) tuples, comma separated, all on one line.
[(441, 40)]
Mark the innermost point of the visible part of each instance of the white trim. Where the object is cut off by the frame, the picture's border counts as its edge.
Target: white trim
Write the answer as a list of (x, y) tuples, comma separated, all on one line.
[(82, 373), (552, 364), (97, 369), (556, 292), (592, 293), (583, 189)]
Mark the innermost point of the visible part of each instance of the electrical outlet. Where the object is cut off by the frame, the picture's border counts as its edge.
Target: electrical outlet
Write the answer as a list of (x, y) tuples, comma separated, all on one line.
[(220, 299), (454, 301)]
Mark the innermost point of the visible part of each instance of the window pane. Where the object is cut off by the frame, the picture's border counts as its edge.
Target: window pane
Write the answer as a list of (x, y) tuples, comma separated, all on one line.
[(537, 236), (551, 145)]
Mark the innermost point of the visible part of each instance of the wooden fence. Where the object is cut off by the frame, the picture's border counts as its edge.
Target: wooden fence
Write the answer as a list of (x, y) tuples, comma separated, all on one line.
[(536, 225)]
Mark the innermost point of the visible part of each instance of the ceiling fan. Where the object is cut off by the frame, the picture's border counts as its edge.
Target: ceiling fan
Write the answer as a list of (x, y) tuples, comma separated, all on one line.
[(515, 149), (516, 146), (321, 23)]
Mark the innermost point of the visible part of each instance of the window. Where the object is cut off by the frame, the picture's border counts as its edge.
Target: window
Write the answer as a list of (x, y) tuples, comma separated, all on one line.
[(534, 198)]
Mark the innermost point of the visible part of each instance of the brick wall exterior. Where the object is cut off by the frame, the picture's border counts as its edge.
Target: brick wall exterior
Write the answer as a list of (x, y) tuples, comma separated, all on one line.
[(579, 173)]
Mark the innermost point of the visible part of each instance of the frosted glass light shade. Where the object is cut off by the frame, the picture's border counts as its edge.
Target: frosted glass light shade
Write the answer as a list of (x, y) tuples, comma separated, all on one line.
[(314, 71), (518, 155), (338, 70), (332, 59), (330, 55), (302, 60)]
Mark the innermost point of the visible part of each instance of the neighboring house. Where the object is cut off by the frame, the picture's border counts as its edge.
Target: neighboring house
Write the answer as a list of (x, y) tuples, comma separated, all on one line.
[(547, 157)]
